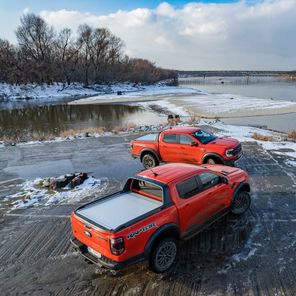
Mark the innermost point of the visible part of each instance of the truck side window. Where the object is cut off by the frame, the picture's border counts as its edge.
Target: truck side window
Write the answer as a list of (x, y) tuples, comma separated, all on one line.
[(147, 188), (171, 138), (185, 140), (188, 188), (209, 180)]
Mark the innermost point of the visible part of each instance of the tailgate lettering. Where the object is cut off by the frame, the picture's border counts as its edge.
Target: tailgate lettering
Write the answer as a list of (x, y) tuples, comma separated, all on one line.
[(139, 231)]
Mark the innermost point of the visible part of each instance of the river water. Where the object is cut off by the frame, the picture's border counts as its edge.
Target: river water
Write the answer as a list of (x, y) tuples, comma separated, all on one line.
[(51, 119)]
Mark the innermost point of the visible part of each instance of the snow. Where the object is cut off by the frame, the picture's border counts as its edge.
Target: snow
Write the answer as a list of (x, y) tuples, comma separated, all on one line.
[(58, 91), (290, 163), (32, 194), (244, 134), (54, 92), (166, 105), (221, 103), (145, 93), (94, 92)]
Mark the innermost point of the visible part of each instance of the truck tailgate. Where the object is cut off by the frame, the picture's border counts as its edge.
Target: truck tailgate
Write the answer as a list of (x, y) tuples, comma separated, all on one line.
[(111, 213)]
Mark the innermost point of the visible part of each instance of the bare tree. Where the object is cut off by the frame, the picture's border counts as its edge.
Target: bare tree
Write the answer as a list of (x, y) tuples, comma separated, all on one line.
[(85, 43), (36, 41)]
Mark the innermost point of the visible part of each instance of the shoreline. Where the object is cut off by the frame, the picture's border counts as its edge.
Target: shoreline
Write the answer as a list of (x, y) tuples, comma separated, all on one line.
[(59, 92)]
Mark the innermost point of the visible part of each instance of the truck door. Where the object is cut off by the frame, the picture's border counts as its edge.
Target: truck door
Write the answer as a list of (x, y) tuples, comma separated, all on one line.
[(191, 203), (215, 192), (169, 147), (189, 150)]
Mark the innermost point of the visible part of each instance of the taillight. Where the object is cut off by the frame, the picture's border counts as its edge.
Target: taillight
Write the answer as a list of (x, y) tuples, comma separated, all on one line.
[(117, 245)]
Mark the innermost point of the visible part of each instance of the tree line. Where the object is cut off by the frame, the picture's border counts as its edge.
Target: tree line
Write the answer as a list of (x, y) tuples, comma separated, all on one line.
[(93, 55)]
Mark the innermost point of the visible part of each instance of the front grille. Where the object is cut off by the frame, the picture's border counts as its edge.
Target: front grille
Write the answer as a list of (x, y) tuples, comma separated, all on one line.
[(237, 149)]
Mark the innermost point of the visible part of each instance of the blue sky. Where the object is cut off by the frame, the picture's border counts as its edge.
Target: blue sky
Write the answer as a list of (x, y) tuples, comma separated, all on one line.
[(94, 6)]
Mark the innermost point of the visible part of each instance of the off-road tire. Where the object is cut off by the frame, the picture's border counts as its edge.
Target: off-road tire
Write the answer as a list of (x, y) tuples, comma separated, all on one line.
[(241, 203), (149, 161), (211, 161), (163, 255)]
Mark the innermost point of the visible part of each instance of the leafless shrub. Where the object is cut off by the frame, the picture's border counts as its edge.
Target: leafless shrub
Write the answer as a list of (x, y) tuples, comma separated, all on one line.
[(259, 137), (194, 119)]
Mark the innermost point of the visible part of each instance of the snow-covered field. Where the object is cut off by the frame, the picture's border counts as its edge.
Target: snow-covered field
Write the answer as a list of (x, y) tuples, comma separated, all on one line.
[(58, 91)]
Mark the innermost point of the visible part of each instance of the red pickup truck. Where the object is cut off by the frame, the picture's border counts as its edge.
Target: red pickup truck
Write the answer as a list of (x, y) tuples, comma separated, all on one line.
[(155, 209), (185, 144)]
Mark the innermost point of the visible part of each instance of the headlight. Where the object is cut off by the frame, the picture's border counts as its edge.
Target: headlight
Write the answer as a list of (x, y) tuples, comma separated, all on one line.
[(229, 152)]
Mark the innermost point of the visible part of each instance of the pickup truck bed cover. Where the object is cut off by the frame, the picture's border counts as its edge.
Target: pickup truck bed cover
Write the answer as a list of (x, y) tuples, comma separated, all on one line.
[(117, 210)]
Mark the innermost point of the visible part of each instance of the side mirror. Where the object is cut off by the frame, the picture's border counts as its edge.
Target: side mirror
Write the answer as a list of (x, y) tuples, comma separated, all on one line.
[(194, 144), (224, 180)]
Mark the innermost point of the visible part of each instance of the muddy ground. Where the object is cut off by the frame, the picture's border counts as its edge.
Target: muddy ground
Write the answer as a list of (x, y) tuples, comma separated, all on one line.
[(251, 255)]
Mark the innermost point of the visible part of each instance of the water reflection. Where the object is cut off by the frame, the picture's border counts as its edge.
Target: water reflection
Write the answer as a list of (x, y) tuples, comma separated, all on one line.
[(44, 120)]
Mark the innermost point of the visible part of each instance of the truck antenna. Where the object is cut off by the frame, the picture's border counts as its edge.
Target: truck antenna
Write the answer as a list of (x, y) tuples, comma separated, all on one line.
[(155, 174)]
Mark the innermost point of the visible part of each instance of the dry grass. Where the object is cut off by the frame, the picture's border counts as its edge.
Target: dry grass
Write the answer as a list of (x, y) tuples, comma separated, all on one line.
[(30, 136), (124, 127), (193, 119), (85, 131), (259, 137), (292, 135)]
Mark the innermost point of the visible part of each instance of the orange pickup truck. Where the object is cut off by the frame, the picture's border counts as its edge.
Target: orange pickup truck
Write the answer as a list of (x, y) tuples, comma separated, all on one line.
[(185, 144), (155, 209)]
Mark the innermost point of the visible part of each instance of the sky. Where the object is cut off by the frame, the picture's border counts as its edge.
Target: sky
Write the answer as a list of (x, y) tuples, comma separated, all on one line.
[(184, 35)]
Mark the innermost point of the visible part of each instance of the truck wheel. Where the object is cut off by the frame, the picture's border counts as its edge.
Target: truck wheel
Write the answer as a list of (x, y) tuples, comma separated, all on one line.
[(211, 161), (149, 161), (163, 256), (241, 203)]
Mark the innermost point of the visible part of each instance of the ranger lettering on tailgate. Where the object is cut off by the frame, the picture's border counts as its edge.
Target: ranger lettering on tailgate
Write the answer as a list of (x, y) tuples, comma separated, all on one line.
[(139, 231)]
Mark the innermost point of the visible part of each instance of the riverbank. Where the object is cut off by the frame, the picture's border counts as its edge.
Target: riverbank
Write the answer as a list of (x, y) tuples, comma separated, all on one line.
[(60, 91)]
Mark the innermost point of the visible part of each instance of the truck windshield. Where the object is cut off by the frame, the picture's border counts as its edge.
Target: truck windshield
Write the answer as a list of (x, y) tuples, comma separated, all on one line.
[(203, 136), (148, 189)]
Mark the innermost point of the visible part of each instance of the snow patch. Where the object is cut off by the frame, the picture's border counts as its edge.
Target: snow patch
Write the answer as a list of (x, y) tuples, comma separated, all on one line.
[(224, 103), (32, 194), (290, 163)]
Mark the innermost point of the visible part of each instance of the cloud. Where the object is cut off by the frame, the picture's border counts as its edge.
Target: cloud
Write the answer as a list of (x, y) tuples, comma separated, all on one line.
[(242, 35), (26, 10)]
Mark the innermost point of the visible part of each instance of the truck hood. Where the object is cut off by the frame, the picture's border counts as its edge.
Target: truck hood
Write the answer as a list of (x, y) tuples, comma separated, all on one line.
[(224, 142)]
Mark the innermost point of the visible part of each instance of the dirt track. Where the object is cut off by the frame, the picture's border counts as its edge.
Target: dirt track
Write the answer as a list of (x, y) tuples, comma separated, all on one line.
[(253, 255)]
